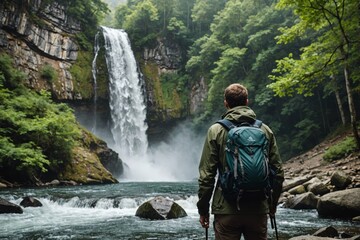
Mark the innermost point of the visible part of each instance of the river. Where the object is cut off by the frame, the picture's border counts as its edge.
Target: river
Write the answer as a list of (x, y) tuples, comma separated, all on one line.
[(108, 212)]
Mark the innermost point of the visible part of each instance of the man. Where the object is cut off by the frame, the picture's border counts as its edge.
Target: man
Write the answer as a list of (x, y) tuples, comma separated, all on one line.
[(230, 220)]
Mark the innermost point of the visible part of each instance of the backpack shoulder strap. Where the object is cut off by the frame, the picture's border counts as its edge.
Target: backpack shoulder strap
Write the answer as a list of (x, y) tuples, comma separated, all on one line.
[(257, 123), (227, 124)]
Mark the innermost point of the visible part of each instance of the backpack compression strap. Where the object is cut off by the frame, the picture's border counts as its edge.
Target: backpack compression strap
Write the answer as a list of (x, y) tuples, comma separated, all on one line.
[(227, 124)]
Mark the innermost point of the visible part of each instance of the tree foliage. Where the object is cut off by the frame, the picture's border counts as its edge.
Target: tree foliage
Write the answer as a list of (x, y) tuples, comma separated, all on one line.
[(334, 30), (244, 40), (36, 135)]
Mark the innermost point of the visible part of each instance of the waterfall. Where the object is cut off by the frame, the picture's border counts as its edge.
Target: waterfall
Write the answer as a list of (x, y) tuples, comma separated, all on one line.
[(94, 72), (172, 159), (127, 103)]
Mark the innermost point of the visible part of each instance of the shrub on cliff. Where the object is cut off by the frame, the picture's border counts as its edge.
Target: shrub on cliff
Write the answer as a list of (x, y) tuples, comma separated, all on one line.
[(36, 135)]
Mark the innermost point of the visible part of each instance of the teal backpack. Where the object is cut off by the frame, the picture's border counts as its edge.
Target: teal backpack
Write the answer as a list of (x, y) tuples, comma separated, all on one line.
[(246, 176)]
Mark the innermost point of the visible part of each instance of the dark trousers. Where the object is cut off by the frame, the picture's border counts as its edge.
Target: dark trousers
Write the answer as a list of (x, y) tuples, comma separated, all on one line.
[(231, 227)]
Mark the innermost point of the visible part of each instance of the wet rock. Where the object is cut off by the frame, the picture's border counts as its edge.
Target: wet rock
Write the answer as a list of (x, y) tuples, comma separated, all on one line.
[(308, 237), (68, 183), (30, 202), (340, 204), (160, 208), (327, 232), (110, 159), (303, 201), (54, 182), (8, 207)]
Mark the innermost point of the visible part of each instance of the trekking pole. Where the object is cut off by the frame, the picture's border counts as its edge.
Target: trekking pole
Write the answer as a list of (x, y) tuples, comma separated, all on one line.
[(273, 225), (206, 233)]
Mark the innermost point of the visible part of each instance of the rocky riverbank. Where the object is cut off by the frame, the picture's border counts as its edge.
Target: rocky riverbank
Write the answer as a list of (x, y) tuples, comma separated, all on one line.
[(332, 188)]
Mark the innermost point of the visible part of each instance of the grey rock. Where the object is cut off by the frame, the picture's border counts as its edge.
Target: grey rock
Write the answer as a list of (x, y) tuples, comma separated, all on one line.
[(340, 180), (327, 232), (30, 202), (300, 189), (288, 184), (340, 204), (160, 208), (318, 188), (8, 207), (303, 201)]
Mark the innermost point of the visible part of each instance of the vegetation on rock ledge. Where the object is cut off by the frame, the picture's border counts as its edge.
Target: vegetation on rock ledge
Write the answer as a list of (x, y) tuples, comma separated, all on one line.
[(37, 136)]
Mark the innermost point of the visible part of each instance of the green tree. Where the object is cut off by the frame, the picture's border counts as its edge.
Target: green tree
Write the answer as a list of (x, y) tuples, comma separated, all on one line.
[(335, 49), (141, 22), (203, 13)]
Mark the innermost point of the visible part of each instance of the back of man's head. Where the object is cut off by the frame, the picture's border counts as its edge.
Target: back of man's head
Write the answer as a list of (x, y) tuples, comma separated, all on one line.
[(236, 95)]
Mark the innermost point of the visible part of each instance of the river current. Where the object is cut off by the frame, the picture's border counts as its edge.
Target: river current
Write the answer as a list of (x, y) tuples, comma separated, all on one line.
[(108, 212)]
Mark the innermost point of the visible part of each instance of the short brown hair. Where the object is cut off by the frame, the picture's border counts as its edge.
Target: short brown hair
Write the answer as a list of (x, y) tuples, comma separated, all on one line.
[(236, 95)]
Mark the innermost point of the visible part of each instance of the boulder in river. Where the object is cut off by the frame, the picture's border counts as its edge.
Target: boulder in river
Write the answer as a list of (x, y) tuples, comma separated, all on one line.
[(8, 207), (160, 208), (303, 201), (340, 204), (327, 232), (30, 202)]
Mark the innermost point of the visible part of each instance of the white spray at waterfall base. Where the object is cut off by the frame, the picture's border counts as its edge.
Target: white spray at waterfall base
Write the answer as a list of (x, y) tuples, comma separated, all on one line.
[(172, 160)]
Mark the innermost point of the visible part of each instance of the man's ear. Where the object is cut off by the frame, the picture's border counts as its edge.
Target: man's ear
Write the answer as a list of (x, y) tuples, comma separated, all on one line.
[(247, 101), (226, 104)]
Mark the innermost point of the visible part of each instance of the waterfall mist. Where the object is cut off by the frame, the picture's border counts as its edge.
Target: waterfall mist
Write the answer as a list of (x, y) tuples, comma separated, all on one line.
[(173, 159)]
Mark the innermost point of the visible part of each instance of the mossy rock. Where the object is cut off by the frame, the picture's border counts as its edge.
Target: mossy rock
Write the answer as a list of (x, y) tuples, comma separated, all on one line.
[(86, 168)]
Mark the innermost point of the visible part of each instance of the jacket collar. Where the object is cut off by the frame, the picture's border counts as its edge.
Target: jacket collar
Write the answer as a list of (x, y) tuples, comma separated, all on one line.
[(240, 114)]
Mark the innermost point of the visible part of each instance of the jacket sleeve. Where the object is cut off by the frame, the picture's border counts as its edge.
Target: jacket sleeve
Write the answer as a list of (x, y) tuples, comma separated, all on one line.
[(207, 171), (277, 177)]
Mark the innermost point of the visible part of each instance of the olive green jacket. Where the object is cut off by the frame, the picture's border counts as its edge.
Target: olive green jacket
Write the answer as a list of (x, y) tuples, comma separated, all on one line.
[(213, 160)]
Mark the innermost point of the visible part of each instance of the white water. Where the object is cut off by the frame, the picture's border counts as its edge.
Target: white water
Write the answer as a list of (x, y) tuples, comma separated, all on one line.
[(172, 160), (107, 211), (127, 104), (94, 72)]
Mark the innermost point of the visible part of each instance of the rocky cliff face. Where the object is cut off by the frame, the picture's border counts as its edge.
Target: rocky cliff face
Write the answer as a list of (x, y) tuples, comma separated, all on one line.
[(41, 37), (169, 100), (38, 36)]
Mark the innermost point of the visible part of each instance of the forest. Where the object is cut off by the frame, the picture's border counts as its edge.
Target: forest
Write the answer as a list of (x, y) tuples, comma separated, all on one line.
[(298, 58)]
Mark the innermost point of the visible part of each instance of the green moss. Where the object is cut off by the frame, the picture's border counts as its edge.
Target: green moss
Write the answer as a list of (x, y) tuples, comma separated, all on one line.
[(169, 91), (340, 150), (150, 71), (175, 96), (82, 75)]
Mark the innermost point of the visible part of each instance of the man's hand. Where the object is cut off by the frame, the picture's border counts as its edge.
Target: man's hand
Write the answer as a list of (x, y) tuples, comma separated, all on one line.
[(204, 221), (272, 211)]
